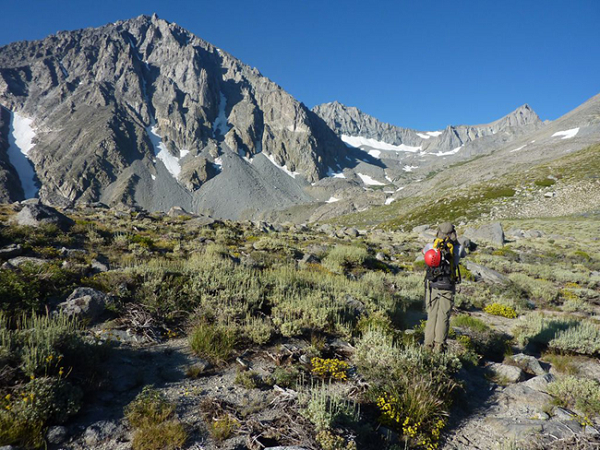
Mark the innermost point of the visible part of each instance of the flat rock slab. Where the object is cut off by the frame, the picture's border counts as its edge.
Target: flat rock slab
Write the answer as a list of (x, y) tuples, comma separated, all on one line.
[(485, 274), (511, 374)]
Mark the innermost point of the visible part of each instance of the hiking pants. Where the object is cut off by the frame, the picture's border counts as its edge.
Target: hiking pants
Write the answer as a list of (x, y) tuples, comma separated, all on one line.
[(439, 306)]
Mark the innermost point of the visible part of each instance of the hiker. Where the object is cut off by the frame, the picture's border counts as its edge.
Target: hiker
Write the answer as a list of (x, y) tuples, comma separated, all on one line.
[(442, 258)]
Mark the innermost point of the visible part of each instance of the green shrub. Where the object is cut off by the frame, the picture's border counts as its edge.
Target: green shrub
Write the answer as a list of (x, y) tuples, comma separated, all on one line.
[(149, 407), (25, 413), (153, 418), (582, 394), (326, 409), (545, 182), (212, 341), (469, 322), (540, 329), (343, 257), (222, 427), (169, 435)]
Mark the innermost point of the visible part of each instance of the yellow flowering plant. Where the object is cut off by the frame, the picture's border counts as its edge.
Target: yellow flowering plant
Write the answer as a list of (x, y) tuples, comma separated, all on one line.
[(334, 368)]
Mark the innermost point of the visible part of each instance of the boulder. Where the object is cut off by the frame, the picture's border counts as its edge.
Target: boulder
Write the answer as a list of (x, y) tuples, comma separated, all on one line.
[(533, 234), (510, 374), (528, 363), (491, 233), (10, 251), (13, 263), (85, 303), (540, 383), (178, 211), (352, 232), (36, 215), (485, 274), (309, 258), (419, 229)]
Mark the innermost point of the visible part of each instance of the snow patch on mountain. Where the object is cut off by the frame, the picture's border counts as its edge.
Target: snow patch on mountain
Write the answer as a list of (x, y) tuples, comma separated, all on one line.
[(366, 179), (389, 200), (567, 134), (331, 173), (284, 168), (221, 124), (408, 168), (375, 153), (20, 141), (170, 161), (517, 149), (448, 153), (359, 141), (332, 200)]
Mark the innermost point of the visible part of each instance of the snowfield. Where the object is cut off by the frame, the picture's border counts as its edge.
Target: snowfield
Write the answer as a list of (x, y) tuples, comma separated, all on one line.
[(366, 179), (567, 134), (359, 141), (20, 143), (332, 200)]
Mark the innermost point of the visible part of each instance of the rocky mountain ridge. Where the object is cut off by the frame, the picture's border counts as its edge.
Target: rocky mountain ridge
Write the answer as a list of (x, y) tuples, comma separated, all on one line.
[(107, 103)]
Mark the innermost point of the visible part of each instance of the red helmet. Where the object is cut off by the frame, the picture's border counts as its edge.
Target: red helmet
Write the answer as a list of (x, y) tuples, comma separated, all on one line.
[(433, 257)]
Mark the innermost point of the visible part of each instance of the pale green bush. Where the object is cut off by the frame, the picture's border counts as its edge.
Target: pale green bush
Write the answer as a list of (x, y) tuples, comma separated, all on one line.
[(583, 338), (343, 257), (582, 394)]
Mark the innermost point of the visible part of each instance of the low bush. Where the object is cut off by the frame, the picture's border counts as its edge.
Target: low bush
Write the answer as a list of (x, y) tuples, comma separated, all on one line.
[(153, 418), (212, 341), (344, 257), (583, 338), (582, 394), (326, 409), (333, 369)]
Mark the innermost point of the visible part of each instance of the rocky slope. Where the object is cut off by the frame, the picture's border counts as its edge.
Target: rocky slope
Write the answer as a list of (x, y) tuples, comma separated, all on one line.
[(141, 111)]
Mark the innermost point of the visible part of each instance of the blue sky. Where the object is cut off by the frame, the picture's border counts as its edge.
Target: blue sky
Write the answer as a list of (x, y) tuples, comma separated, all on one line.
[(420, 64)]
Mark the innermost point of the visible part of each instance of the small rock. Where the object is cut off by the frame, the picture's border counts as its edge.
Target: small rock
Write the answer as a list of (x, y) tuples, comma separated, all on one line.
[(511, 374), (10, 251), (56, 435), (541, 415), (98, 266), (70, 252), (243, 363), (85, 302), (380, 256), (550, 194), (528, 363)]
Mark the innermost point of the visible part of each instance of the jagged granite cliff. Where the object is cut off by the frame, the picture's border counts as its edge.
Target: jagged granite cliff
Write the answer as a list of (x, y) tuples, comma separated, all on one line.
[(142, 111)]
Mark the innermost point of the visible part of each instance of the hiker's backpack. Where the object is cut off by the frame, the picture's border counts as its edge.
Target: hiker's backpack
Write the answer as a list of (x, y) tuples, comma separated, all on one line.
[(447, 274)]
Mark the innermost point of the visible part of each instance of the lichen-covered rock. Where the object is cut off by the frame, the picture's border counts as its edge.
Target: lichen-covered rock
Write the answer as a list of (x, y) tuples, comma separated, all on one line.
[(85, 303), (492, 233)]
